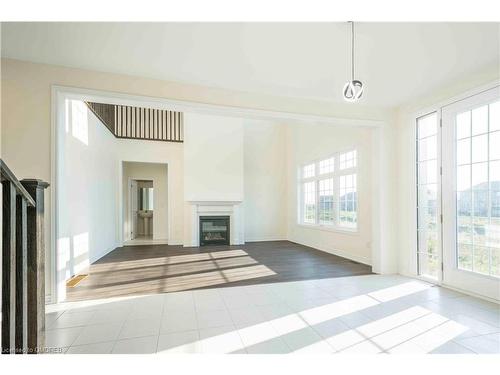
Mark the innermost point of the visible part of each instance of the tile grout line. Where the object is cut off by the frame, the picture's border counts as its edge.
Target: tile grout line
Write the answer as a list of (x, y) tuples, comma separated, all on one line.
[(161, 320), (234, 324)]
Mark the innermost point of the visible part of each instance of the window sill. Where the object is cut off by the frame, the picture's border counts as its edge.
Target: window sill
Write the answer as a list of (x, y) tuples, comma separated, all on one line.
[(327, 228)]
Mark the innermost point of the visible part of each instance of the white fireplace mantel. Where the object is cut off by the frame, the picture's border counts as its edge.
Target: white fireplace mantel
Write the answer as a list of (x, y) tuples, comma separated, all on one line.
[(233, 209)]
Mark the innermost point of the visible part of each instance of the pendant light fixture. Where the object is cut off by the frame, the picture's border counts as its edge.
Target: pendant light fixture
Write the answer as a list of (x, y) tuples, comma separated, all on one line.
[(353, 89)]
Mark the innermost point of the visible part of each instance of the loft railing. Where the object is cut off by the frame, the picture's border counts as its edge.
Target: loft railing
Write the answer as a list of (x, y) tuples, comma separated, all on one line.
[(140, 123), (23, 264)]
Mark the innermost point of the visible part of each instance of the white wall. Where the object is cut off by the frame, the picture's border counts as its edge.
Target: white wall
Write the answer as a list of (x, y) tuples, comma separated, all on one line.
[(213, 158), (157, 173), (265, 204), (87, 196), (309, 142)]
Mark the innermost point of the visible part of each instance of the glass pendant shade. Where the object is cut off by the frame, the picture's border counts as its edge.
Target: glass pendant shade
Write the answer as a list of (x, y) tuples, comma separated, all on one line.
[(353, 90)]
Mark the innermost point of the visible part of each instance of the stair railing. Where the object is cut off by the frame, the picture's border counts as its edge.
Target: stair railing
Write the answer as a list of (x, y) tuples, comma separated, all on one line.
[(23, 264)]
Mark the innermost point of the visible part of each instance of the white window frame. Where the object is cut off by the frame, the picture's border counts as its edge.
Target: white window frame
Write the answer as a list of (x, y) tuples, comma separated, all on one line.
[(335, 175), (436, 107), (423, 276)]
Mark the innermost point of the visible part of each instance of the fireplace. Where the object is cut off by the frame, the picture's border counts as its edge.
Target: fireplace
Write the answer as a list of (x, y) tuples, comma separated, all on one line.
[(214, 230)]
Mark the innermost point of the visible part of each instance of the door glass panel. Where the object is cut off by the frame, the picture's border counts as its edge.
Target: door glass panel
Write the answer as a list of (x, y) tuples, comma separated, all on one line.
[(480, 120), (480, 148), (428, 265), (495, 116), (495, 262), (478, 190), (428, 239), (463, 151), (495, 145), (465, 256), (463, 125)]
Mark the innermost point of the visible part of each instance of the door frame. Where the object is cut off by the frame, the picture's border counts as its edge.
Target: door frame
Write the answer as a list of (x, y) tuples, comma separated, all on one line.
[(414, 258), (130, 214), (472, 281), (436, 107)]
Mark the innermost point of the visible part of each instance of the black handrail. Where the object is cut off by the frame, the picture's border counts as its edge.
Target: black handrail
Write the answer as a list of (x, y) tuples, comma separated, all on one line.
[(7, 175), (23, 264)]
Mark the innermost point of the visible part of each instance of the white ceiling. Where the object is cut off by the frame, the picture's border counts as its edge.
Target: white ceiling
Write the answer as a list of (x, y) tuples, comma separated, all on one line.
[(396, 61)]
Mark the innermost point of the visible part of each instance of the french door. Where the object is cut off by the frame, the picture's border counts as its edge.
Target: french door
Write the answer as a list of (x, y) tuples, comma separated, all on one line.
[(470, 154)]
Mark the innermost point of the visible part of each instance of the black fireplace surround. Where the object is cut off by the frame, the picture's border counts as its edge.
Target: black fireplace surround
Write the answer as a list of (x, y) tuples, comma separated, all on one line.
[(214, 230)]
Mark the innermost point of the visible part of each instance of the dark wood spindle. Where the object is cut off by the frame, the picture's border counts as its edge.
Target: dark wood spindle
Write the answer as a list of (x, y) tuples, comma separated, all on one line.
[(21, 276), (9, 267)]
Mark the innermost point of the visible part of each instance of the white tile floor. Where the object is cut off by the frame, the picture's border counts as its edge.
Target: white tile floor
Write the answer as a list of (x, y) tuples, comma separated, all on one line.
[(361, 314)]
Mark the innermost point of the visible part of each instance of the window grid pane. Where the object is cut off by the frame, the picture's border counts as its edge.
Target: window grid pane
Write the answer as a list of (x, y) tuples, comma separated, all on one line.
[(347, 201), (348, 160), (478, 190), (326, 202), (428, 245), (327, 166), (310, 202), (308, 171)]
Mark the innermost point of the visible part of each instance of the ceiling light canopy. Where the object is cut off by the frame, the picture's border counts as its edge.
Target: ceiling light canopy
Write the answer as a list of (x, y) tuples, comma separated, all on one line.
[(353, 89)]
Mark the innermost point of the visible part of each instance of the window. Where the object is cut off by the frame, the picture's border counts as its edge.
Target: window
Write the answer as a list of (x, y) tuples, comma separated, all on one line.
[(326, 211), (309, 202), (428, 243), (478, 189), (328, 192), (348, 160), (347, 212), (327, 166), (309, 171)]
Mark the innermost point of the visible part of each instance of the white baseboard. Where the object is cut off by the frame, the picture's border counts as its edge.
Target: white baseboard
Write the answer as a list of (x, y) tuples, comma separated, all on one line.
[(175, 242), (265, 238), (340, 253)]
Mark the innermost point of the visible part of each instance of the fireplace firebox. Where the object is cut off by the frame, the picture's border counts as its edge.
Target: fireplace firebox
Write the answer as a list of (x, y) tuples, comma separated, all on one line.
[(214, 230)]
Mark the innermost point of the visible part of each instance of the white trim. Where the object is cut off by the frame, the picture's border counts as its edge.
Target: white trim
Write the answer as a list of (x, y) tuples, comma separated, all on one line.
[(266, 239), (175, 242), (138, 242), (464, 95), (414, 195), (340, 253), (110, 97), (330, 228), (53, 201), (446, 286)]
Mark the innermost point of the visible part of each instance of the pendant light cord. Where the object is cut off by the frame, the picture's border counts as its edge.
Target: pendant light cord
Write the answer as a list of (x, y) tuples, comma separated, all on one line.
[(352, 50)]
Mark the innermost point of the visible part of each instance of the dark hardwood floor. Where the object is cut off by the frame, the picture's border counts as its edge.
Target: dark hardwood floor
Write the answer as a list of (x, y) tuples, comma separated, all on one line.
[(134, 270)]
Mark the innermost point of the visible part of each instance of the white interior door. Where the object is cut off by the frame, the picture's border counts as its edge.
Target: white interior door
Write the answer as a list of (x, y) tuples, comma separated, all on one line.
[(133, 209), (471, 194)]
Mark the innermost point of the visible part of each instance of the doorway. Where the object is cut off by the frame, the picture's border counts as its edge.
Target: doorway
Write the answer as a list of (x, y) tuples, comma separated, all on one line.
[(471, 194), (145, 203), (141, 212)]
